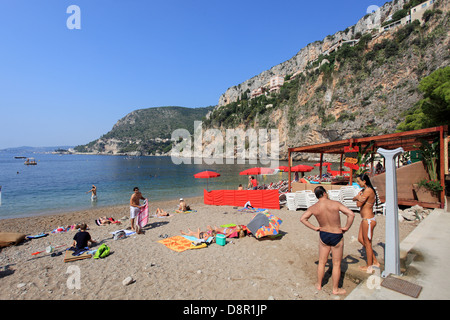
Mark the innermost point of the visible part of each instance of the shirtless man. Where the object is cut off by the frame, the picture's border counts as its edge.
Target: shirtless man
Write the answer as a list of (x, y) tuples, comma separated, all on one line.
[(94, 193), (135, 206), (331, 234)]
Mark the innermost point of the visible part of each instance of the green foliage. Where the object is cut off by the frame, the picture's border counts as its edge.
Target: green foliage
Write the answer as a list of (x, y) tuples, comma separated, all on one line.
[(429, 153), (434, 109), (145, 125), (432, 185)]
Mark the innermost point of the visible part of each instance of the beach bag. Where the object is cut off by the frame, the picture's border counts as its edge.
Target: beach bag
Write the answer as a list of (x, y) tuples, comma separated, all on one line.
[(120, 235), (102, 252)]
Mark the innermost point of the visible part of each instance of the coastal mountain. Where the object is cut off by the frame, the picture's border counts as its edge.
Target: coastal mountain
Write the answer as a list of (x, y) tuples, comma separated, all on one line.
[(145, 131), (359, 82)]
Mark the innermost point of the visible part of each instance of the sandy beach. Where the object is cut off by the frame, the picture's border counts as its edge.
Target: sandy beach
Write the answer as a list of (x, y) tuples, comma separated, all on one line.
[(243, 269)]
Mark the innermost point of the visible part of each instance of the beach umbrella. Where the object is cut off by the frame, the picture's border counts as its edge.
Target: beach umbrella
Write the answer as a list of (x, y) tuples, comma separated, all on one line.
[(302, 168), (257, 171), (264, 224), (283, 168), (206, 175)]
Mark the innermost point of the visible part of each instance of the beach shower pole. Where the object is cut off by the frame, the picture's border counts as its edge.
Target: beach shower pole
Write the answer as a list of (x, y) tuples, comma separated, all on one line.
[(392, 245)]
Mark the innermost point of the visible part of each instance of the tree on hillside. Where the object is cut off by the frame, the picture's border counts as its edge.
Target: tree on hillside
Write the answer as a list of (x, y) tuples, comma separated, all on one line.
[(434, 109)]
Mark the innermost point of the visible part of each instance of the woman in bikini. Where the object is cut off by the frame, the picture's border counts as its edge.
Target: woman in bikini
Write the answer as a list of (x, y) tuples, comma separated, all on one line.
[(365, 200)]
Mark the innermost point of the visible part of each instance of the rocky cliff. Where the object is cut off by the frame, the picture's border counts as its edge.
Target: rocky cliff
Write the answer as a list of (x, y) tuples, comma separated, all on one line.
[(312, 51), (360, 89)]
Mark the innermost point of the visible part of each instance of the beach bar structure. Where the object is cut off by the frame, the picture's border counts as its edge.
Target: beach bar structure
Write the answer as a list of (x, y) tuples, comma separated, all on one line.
[(409, 141)]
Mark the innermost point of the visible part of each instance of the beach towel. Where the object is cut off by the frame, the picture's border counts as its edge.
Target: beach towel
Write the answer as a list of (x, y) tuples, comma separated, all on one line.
[(68, 257), (142, 218), (177, 243), (127, 232), (187, 211), (180, 243), (197, 240), (37, 236), (254, 210)]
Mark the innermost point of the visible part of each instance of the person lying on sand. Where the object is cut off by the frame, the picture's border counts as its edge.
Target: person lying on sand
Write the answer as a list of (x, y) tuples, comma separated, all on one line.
[(228, 231), (199, 234), (105, 221), (161, 213)]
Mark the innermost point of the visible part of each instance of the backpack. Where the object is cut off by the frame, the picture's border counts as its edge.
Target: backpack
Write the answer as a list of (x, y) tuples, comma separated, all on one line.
[(120, 235), (102, 252)]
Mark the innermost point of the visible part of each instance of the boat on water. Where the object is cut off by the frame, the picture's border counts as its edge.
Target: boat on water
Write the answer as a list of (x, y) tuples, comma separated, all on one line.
[(20, 157), (30, 162)]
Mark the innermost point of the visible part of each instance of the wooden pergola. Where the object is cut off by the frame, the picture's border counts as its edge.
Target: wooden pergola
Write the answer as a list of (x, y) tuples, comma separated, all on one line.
[(407, 140)]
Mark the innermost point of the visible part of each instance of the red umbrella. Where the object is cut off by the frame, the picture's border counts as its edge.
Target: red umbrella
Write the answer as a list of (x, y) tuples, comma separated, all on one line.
[(256, 171), (302, 168), (283, 168), (206, 175)]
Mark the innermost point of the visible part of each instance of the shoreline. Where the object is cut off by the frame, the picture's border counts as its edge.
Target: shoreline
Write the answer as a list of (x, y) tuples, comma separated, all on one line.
[(74, 216)]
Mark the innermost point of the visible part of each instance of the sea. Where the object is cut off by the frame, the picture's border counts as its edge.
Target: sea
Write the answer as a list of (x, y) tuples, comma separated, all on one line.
[(59, 182)]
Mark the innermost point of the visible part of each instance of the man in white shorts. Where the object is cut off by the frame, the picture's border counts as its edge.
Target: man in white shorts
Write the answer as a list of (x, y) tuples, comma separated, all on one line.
[(135, 206)]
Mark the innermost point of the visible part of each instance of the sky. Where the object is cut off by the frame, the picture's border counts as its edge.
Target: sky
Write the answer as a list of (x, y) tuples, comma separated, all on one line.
[(65, 86)]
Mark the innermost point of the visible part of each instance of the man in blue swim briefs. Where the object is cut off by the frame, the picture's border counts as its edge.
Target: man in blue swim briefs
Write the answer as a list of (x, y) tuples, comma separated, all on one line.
[(326, 212)]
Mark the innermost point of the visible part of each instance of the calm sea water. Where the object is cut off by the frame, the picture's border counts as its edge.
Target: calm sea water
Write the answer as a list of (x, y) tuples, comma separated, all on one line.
[(58, 183)]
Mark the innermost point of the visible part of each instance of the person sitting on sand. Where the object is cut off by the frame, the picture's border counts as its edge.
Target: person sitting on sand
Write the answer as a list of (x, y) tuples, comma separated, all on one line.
[(240, 187), (182, 207), (105, 221), (199, 234), (81, 239)]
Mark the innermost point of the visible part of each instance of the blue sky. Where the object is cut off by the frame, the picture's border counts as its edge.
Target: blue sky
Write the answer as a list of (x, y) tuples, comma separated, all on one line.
[(68, 87)]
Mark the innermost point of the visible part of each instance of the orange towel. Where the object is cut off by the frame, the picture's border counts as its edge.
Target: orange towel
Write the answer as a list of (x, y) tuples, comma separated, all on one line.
[(177, 243)]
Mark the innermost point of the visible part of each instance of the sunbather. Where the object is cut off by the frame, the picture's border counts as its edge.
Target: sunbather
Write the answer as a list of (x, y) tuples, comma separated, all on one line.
[(105, 221), (183, 207), (228, 231), (199, 234), (161, 213)]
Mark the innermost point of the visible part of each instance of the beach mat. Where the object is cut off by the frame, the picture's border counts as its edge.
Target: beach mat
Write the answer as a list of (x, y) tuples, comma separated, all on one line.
[(68, 257), (402, 286), (180, 244)]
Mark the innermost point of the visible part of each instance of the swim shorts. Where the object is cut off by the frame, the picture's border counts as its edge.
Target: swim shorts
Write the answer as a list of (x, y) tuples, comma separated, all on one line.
[(134, 212)]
